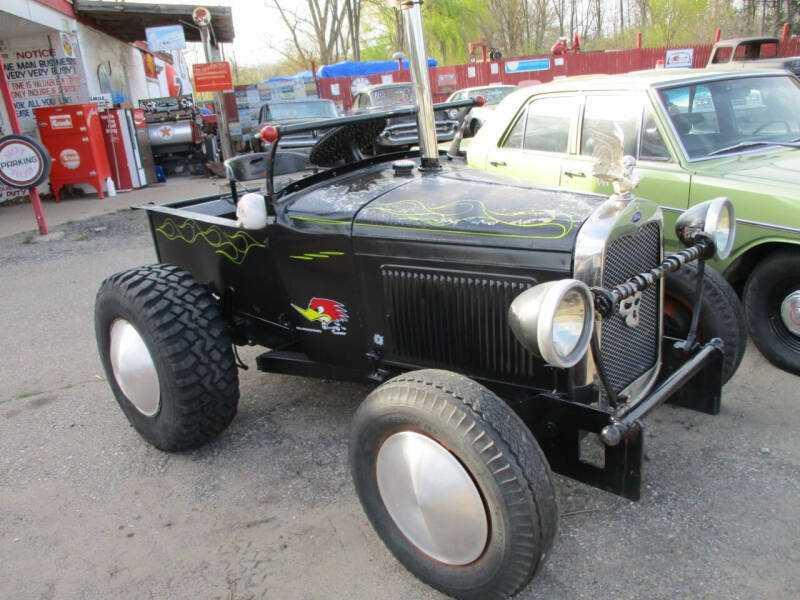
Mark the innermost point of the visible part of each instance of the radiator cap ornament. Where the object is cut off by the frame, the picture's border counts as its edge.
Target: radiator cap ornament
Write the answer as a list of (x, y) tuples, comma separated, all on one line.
[(611, 164)]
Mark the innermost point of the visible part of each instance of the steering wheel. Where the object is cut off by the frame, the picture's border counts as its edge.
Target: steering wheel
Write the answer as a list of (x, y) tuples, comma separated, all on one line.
[(347, 142), (776, 122)]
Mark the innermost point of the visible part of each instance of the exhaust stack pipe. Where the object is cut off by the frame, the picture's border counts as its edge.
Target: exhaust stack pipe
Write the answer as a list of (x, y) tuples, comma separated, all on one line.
[(418, 63)]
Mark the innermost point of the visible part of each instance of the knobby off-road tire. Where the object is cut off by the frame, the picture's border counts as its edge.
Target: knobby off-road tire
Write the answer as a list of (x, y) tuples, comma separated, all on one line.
[(771, 281), (721, 313), (188, 392), (440, 430)]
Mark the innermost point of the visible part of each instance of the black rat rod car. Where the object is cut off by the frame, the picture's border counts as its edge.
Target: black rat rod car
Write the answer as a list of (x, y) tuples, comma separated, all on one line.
[(509, 330)]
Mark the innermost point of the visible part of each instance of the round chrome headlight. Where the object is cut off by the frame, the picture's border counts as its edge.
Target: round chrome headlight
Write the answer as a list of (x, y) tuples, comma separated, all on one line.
[(721, 226), (453, 113), (716, 219), (554, 320)]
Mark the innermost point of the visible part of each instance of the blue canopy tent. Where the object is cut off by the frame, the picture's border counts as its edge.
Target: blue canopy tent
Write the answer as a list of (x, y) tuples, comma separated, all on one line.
[(359, 69)]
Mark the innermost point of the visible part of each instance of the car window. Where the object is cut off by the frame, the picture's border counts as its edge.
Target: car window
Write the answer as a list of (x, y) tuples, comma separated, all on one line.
[(722, 55), (514, 138), (548, 123), (300, 109), (493, 94), (652, 146), (726, 115), (611, 115), (389, 96), (457, 96)]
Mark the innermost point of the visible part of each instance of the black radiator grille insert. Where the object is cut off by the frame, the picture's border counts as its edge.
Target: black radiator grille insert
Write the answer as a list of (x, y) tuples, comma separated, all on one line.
[(455, 319), (627, 352)]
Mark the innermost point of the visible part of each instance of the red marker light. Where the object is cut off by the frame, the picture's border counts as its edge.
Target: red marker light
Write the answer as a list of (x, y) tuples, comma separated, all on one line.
[(480, 100), (269, 133)]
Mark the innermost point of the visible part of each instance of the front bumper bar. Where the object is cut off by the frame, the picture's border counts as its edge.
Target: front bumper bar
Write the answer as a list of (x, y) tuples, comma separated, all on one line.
[(565, 430), (624, 423)]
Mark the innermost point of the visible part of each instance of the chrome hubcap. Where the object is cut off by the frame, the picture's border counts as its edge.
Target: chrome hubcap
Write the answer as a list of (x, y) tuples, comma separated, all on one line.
[(431, 498), (133, 368), (790, 312)]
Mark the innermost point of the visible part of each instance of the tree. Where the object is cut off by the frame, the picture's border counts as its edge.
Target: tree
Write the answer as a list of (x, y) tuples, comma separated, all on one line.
[(321, 30), (676, 21)]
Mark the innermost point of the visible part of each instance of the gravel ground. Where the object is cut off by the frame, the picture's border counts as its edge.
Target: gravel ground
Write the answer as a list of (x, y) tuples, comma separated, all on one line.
[(88, 510)]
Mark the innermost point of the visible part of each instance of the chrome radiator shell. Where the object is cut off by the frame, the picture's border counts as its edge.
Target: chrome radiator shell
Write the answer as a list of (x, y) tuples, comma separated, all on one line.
[(615, 224)]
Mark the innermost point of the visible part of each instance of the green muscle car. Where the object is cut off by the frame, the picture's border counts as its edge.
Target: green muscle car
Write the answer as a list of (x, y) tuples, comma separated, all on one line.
[(695, 134)]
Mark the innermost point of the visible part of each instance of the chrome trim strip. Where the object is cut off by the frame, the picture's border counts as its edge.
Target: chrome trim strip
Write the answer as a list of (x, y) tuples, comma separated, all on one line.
[(745, 221), (769, 225), (609, 221)]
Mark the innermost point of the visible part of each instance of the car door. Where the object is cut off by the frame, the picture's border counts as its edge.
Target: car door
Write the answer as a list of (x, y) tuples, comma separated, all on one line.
[(537, 143), (663, 180)]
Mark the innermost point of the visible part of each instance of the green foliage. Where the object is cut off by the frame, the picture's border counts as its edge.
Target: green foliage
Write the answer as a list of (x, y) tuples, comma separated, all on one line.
[(675, 21), (451, 24)]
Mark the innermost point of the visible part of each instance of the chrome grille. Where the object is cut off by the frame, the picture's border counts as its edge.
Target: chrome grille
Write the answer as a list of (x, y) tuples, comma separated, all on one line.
[(628, 352)]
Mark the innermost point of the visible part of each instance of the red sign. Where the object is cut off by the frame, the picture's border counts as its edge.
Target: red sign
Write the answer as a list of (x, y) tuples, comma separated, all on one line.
[(139, 120), (212, 77)]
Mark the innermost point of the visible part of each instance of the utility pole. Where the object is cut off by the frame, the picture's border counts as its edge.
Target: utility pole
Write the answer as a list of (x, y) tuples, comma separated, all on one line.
[(202, 18)]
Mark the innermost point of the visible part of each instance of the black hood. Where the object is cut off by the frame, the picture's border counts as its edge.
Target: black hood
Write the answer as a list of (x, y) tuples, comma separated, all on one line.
[(466, 206), (454, 205)]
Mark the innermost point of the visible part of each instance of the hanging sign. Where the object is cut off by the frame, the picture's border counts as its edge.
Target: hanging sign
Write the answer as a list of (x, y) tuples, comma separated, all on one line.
[(23, 162), (166, 38), (201, 16)]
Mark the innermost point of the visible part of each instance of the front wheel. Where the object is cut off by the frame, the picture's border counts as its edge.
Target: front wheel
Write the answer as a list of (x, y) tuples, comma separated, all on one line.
[(167, 355), (772, 306), (721, 313), (454, 484)]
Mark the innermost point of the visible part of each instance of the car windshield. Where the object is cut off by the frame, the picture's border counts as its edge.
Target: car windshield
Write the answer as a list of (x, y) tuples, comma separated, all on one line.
[(390, 96), (493, 95), (717, 117), (300, 110)]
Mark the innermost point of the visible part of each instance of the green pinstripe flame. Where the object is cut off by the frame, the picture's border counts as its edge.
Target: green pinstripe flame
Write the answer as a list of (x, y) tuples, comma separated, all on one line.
[(442, 219), (429, 214), (313, 255), (233, 247)]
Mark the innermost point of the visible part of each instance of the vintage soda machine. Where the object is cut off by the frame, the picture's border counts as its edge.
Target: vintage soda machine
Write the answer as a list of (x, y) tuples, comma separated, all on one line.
[(129, 155), (73, 135)]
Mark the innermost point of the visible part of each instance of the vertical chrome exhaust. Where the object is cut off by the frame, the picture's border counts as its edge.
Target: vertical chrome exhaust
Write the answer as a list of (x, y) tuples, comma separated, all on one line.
[(418, 63)]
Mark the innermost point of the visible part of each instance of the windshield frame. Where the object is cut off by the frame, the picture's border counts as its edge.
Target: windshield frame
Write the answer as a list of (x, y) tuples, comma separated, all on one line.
[(659, 98)]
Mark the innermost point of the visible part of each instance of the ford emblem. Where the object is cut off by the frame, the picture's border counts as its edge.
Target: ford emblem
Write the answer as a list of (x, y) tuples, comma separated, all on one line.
[(637, 216)]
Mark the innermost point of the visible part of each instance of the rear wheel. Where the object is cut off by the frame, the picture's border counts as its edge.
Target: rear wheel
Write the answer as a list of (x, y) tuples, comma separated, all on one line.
[(167, 355), (772, 306), (454, 484), (721, 313)]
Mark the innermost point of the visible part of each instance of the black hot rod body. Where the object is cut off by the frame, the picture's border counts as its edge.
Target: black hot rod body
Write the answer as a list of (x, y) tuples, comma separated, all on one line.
[(378, 268), (507, 330)]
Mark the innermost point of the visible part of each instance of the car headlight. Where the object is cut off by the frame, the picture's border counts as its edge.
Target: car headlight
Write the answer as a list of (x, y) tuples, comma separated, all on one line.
[(554, 320), (716, 219), (452, 113)]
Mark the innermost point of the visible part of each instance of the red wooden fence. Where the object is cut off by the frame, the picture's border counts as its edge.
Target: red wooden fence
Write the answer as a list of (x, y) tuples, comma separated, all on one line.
[(445, 80)]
